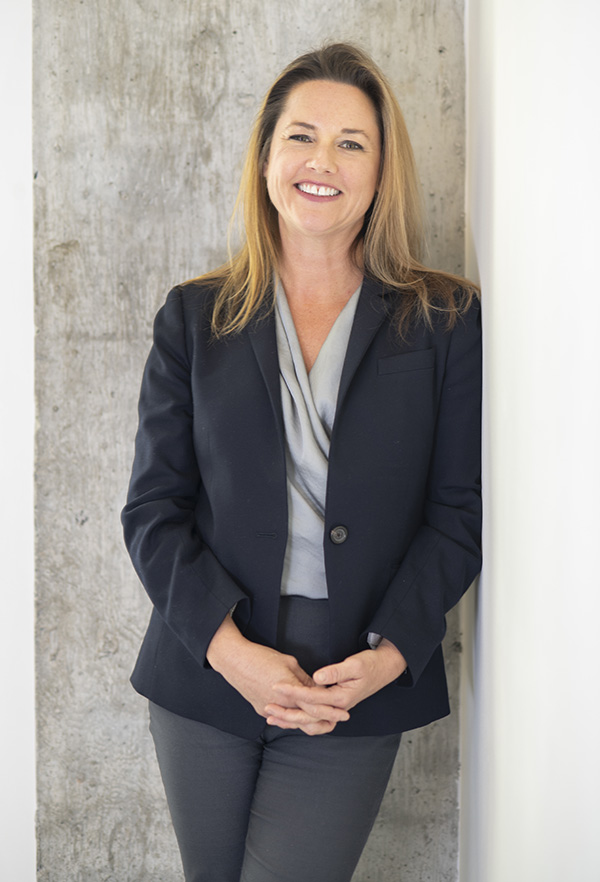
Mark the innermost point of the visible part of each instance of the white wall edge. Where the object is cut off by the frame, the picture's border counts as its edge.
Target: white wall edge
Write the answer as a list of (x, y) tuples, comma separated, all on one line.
[(17, 733)]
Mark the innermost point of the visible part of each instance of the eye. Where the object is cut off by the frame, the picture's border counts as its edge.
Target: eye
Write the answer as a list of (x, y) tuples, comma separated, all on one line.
[(304, 139), (351, 145)]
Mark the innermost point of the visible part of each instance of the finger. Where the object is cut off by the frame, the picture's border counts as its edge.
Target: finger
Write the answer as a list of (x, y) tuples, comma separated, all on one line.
[(292, 715), (296, 696), (281, 723), (313, 712), (310, 694), (316, 727), (300, 715), (303, 678), (326, 712), (295, 716), (293, 666), (304, 723), (350, 669)]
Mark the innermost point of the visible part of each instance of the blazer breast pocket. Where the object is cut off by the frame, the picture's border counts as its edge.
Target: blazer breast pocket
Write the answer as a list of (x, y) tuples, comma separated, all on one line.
[(418, 360)]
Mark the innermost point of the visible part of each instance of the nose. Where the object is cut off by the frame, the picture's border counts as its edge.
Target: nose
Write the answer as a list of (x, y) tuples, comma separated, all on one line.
[(322, 159)]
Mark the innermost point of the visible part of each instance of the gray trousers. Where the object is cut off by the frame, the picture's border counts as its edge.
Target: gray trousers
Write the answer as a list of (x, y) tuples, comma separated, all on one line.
[(286, 807)]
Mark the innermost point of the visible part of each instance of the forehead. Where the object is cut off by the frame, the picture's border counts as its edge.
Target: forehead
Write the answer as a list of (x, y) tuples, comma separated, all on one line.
[(325, 103)]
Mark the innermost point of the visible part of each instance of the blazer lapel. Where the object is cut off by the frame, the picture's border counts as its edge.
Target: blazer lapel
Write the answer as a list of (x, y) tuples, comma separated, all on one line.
[(370, 313), (264, 343)]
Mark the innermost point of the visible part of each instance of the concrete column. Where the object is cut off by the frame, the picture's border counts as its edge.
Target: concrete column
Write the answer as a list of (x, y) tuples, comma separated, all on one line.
[(142, 111), (530, 806)]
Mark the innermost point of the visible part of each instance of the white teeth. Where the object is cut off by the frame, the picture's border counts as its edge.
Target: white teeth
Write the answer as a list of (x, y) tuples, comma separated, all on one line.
[(318, 191)]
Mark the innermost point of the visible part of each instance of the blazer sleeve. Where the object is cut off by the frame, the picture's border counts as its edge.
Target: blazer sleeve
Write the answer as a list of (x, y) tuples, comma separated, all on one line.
[(187, 585), (444, 556)]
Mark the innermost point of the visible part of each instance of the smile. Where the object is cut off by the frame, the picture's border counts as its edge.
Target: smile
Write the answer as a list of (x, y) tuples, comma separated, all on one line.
[(313, 190)]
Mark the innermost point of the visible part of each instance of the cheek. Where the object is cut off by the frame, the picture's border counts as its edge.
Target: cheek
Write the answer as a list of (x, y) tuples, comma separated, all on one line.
[(372, 186), (277, 174), (271, 183)]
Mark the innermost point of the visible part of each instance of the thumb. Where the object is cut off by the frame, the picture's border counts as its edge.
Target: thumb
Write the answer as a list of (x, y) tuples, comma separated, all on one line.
[(304, 678), (327, 676)]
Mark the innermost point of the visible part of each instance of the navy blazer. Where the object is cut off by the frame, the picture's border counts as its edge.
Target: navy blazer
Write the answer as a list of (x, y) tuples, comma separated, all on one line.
[(206, 517)]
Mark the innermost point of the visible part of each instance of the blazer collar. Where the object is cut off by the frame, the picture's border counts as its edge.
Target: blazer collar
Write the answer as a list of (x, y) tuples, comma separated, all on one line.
[(264, 343), (370, 313)]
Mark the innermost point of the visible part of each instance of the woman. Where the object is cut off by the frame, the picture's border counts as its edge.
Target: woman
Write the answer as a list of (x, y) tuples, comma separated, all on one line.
[(304, 506)]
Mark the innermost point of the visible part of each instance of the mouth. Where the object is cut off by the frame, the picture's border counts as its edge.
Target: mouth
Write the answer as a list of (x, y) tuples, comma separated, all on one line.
[(316, 190)]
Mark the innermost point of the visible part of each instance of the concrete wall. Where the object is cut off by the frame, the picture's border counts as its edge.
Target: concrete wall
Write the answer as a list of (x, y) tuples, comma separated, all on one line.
[(531, 799), (141, 115)]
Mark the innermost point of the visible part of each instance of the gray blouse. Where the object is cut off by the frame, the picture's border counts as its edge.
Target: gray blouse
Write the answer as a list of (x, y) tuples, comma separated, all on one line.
[(309, 401)]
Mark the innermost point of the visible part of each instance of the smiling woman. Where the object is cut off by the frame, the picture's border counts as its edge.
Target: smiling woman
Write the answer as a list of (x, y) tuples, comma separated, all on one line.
[(304, 506), (321, 180)]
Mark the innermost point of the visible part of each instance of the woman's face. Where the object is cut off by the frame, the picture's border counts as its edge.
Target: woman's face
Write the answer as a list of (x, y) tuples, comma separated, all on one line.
[(323, 165)]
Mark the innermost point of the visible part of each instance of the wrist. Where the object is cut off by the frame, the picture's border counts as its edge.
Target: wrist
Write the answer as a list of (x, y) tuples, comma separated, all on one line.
[(225, 644), (393, 657)]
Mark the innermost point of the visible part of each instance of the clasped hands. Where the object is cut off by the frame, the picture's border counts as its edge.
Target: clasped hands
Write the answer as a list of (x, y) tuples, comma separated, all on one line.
[(319, 706), (280, 690)]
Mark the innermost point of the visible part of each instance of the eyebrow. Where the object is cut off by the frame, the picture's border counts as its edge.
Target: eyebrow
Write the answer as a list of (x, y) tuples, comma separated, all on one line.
[(312, 128)]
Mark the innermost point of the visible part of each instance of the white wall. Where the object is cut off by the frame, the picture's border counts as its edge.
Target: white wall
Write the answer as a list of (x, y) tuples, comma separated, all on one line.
[(17, 788), (530, 798)]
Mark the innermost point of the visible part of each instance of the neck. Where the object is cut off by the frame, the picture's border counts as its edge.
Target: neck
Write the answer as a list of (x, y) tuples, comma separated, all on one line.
[(319, 271)]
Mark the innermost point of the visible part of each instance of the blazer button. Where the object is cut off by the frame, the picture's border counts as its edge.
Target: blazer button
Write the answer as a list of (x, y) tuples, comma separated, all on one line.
[(338, 535)]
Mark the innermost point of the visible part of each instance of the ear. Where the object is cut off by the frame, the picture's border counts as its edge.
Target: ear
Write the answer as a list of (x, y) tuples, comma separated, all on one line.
[(264, 168)]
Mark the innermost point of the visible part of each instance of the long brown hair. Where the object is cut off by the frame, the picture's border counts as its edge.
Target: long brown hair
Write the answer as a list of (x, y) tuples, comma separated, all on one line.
[(391, 236)]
